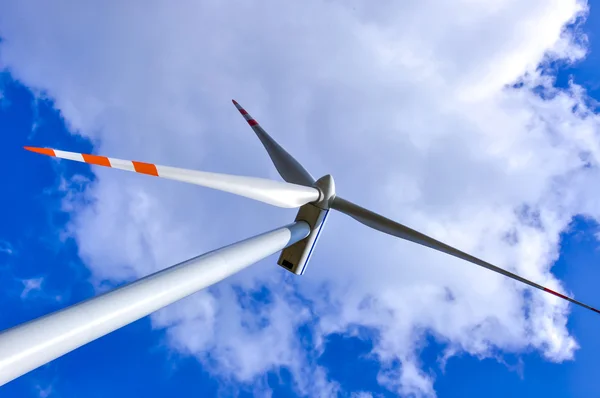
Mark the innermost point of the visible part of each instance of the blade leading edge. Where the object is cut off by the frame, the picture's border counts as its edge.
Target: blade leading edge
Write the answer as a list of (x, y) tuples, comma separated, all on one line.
[(289, 168), (276, 193), (393, 228)]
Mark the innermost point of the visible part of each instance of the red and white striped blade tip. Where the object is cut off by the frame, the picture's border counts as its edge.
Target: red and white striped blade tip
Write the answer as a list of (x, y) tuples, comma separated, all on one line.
[(43, 151), (128, 165), (251, 121)]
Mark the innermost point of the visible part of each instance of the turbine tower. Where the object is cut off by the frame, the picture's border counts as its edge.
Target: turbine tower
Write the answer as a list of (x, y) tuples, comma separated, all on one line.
[(34, 343)]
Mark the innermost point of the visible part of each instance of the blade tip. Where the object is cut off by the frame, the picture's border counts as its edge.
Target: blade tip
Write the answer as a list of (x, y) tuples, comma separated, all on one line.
[(43, 151)]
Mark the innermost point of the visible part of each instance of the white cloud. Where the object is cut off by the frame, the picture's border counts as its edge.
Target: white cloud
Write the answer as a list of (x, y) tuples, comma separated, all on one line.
[(34, 289), (362, 394), (6, 247), (45, 392), (408, 99), (31, 286), (3, 101)]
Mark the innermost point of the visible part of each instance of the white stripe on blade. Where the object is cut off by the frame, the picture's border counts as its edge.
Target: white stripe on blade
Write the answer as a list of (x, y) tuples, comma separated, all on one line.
[(69, 155), (121, 164)]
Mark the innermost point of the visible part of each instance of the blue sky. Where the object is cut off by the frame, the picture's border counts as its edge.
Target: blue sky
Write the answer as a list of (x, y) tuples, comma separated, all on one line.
[(44, 266)]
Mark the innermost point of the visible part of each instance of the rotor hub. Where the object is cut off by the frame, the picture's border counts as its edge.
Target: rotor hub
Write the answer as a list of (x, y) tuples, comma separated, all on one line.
[(326, 187)]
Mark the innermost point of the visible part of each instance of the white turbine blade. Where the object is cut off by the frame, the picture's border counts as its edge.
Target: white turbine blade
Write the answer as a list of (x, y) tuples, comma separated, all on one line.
[(281, 194), (393, 228), (288, 167)]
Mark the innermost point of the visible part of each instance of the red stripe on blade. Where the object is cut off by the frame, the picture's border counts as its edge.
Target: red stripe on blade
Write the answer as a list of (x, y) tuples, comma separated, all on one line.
[(97, 160), (145, 168), (571, 300), (555, 293), (43, 151), (252, 122)]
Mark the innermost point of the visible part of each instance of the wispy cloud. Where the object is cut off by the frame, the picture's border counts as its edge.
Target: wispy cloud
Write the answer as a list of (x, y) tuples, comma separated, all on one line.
[(6, 247), (412, 100), (31, 286), (34, 289), (3, 100), (362, 394), (45, 392)]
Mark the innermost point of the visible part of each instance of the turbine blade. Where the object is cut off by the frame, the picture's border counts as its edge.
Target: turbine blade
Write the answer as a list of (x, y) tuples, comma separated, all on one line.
[(288, 167), (393, 228), (276, 193)]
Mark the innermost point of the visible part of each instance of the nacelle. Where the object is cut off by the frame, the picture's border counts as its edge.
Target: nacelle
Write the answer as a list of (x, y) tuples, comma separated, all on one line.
[(295, 257)]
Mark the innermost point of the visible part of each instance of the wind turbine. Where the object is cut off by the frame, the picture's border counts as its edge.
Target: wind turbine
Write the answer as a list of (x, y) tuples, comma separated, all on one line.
[(29, 345)]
